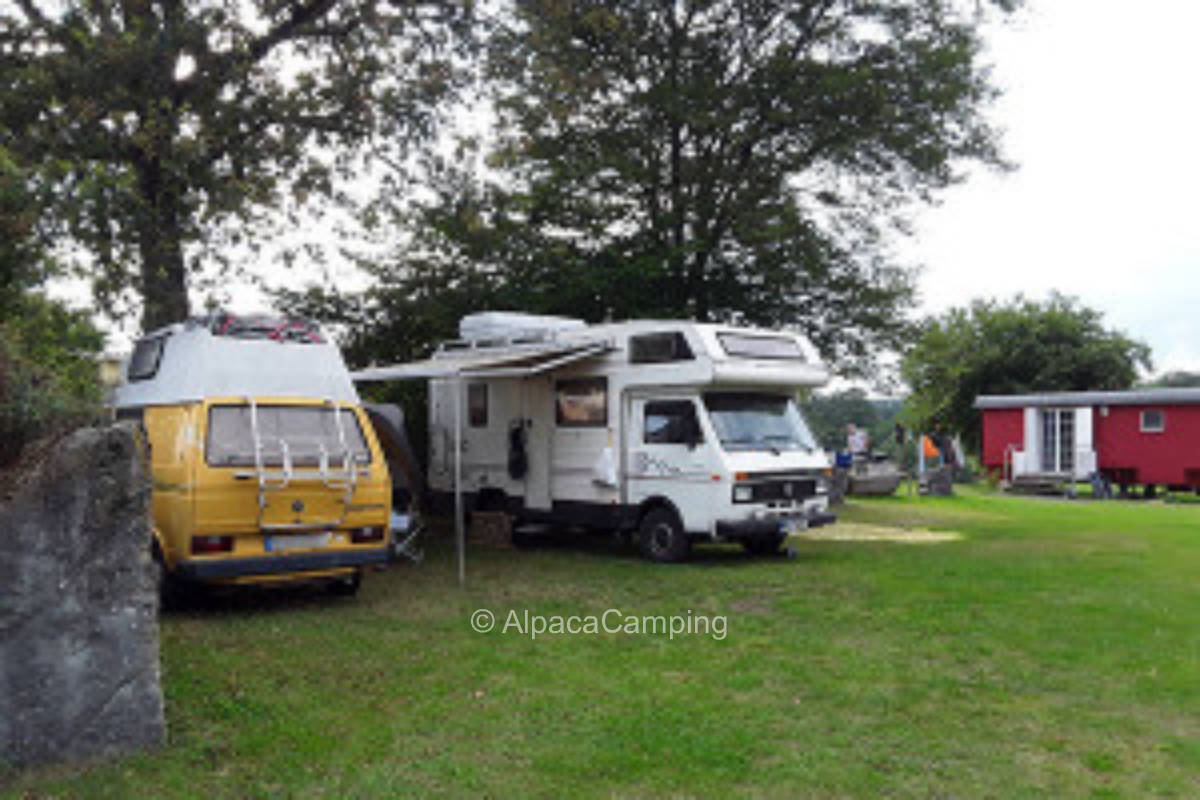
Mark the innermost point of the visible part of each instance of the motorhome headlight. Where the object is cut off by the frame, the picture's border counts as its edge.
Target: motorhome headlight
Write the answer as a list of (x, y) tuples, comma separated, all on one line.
[(743, 493)]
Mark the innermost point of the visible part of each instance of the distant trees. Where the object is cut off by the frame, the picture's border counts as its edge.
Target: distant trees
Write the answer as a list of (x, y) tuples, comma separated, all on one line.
[(994, 347), (1178, 379), (727, 160), (160, 133), (828, 414)]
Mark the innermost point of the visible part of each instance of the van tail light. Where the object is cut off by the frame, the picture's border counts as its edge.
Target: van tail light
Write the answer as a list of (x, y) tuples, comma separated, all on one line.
[(367, 535), (202, 545)]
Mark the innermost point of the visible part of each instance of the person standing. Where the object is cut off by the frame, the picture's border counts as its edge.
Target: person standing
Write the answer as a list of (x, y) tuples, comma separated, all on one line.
[(858, 443)]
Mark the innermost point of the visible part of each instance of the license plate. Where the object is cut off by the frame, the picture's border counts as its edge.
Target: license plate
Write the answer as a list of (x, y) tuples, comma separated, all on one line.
[(296, 541)]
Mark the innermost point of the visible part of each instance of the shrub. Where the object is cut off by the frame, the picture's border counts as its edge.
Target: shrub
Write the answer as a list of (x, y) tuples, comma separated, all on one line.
[(49, 378)]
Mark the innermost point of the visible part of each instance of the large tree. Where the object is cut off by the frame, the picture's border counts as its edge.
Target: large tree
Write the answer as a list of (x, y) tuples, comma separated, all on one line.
[(737, 160), (1011, 347), (165, 129)]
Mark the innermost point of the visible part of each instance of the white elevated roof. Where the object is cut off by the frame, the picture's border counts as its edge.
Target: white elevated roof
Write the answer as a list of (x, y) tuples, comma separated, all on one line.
[(507, 344), (193, 363)]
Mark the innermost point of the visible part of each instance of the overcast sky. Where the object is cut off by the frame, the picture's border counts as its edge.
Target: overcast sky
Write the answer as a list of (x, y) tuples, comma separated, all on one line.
[(1102, 115)]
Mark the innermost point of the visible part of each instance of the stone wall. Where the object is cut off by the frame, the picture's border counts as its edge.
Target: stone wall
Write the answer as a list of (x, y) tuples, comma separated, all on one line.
[(79, 668)]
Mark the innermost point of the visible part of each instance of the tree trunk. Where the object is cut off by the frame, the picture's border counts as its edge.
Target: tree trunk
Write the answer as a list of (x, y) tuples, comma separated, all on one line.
[(163, 278)]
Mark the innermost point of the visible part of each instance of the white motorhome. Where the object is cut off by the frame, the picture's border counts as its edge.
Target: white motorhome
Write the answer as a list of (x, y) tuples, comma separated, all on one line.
[(676, 430)]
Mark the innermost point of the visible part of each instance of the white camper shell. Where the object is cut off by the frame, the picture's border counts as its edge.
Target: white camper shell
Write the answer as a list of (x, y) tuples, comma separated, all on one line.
[(677, 430), (206, 357)]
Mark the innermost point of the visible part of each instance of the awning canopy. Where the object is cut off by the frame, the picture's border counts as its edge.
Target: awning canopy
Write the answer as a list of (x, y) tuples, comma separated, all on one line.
[(513, 362)]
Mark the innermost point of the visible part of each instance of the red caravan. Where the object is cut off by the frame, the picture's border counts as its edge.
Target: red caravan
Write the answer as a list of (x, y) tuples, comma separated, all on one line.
[(1148, 437)]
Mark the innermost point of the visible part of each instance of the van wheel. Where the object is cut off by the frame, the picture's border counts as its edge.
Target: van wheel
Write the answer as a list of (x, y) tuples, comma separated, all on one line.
[(347, 586), (662, 537), (764, 545)]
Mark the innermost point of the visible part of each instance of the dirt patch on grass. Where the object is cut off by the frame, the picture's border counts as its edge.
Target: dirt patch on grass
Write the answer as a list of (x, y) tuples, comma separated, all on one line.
[(860, 532)]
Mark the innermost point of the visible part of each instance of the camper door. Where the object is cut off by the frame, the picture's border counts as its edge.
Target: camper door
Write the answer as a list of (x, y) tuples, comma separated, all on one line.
[(670, 455), (538, 407), (583, 463)]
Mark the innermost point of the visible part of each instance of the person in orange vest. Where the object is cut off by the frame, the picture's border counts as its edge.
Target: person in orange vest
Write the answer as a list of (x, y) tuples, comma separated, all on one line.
[(930, 450)]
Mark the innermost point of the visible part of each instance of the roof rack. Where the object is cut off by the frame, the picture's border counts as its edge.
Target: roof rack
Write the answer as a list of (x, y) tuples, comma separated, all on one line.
[(259, 326)]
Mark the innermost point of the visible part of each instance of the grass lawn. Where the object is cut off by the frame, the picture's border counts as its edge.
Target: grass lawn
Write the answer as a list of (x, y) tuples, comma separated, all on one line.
[(1054, 650)]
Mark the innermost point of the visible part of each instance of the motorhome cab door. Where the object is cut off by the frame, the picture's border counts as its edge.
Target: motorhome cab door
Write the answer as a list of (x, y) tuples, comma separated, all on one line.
[(671, 454)]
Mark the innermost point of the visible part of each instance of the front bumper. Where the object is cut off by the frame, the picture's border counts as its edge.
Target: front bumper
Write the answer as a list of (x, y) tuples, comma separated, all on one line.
[(773, 525), (220, 568)]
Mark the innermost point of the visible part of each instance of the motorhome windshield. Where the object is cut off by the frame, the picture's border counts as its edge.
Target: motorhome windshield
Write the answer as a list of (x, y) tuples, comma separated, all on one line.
[(306, 432), (750, 421)]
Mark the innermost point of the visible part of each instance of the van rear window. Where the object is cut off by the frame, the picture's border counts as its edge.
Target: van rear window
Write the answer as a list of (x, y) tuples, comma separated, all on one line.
[(304, 431)]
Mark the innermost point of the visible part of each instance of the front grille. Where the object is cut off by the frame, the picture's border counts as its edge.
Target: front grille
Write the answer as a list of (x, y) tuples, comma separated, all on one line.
[(769, 491)]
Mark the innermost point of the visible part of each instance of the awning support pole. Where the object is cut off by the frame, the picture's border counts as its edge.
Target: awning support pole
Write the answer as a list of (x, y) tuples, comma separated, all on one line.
[(459, 527)]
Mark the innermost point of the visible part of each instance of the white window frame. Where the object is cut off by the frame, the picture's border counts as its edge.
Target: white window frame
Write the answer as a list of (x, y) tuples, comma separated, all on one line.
[(1054, 457), (1162, 415)]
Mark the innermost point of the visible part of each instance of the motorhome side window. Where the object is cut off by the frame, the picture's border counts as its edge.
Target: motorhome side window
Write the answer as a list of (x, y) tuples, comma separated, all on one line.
[(655, 348), (477, 405), (671, 422), (147, 355), (304, 433), (582, 403), (747, 346)]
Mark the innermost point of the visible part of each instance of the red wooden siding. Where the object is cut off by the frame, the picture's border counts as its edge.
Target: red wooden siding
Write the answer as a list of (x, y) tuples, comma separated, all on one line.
[(1123, 451), (1001, 427), (1165, 458)]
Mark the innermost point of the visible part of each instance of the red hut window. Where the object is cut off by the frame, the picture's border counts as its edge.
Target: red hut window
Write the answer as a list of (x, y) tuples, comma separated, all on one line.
[(1153, 420)]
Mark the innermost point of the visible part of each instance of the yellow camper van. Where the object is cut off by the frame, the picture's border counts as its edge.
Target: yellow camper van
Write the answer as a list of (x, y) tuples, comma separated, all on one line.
[(265, 466)]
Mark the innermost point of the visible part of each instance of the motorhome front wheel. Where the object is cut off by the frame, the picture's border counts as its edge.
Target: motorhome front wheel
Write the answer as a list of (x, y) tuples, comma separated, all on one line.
[(663, 537)]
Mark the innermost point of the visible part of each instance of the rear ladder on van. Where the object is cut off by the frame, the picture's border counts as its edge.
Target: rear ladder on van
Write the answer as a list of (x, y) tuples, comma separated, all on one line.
[(270, 481)]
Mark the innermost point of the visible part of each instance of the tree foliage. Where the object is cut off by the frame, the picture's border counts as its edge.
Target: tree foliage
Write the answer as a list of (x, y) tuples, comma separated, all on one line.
[(161, 132), (727, 160), (1011, 347), (49, 377), (828, 415), (22, 255)]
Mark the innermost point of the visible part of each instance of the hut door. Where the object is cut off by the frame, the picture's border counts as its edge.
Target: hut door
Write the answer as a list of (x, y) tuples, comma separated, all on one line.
[(1058, 440)]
